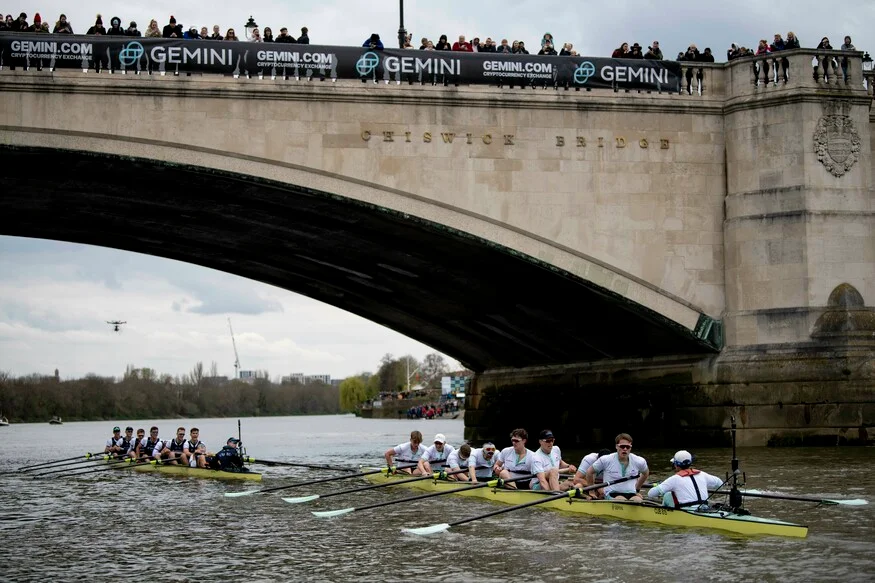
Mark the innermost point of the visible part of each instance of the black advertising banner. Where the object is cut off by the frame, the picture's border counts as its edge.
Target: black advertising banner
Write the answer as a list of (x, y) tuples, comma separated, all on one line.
[(173, 56)]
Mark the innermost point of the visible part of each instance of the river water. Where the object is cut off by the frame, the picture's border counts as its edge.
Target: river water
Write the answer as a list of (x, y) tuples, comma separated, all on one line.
[(115, 525)]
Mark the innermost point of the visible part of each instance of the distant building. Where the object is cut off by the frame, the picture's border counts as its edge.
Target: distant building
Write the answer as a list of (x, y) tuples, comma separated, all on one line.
[(302, 379), (336, 382)]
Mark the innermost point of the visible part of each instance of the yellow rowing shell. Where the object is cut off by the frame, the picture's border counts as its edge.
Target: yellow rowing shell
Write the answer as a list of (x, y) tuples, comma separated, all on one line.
[(646, 512), (171, 470)]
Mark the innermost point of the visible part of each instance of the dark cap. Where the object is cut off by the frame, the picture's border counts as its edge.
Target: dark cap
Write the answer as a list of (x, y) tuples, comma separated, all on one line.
[(114, 429), (129, 428), (546, 434), (233, 440)]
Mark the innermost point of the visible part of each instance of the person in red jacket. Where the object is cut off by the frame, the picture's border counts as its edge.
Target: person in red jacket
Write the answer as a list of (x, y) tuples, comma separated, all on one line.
[(462, 45)]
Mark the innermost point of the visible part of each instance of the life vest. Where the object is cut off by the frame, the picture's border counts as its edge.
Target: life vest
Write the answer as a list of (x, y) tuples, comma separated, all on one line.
[(125, 445), (192, 446), (229, 459), (150, 447), (176, 446)]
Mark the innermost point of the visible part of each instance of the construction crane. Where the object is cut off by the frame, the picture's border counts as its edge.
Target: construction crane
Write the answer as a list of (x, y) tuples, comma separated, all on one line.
[(236, 358)]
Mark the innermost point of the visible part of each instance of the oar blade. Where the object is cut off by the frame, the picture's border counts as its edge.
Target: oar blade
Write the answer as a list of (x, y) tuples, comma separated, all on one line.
[(302, 499), (244, 493), (852, 502), (332, 513), (426, 530)]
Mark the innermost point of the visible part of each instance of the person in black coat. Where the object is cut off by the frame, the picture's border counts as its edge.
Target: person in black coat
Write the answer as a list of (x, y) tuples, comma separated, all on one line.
[(172, 30), (115, 27), (98, 28), (285, 37), (304, 39)]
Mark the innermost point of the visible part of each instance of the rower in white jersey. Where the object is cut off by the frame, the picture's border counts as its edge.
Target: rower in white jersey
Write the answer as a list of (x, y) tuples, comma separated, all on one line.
[(147, 445), (406, 453), (515, 461), (579, 480), (547, 464), (437, 454), (126, 443), (111, 446), (459, 460), (135, 444), (688, 487), (190, 446), (481, 461), (619, 465)]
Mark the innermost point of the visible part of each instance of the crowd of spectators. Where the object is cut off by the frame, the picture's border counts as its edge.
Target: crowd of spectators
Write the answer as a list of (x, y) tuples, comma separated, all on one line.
[(172, 29), (548, 45)]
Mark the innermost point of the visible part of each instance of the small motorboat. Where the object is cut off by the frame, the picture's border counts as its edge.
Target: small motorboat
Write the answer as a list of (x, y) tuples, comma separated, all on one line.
[(4, 422), (55, 421)]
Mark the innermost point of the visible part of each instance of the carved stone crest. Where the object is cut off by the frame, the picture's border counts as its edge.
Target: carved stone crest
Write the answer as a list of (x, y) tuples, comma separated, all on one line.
[(836, 140)]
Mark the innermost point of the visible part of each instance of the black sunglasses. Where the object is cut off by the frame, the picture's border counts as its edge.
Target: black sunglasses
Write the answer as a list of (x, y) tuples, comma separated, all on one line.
[(623, 446)]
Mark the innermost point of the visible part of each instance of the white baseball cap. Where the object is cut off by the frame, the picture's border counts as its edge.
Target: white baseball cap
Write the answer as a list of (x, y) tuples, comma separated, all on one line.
[(440, 437), (682, 457)]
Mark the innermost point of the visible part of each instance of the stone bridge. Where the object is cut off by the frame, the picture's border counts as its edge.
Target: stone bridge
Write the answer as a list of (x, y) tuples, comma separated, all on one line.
[(605, 261)]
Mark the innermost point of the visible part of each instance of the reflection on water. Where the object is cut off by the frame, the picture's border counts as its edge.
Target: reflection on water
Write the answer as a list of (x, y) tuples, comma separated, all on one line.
[(178, 529)]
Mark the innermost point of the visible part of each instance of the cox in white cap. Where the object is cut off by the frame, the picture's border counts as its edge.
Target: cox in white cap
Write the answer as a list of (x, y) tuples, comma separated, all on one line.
[(440, 438), (682, 459)]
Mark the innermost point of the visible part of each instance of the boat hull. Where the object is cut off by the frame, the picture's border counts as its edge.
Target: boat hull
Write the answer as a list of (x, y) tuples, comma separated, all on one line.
[(646, 512), (171, 470)]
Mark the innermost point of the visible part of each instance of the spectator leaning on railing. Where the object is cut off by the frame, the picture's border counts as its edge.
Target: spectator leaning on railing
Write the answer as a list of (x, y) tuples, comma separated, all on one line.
[(374, 43), (792, 42), (653, 52), (98, 28), (115, 27), (152, 31), (131, 30), (171, 29), (63, 26), (304, 39)]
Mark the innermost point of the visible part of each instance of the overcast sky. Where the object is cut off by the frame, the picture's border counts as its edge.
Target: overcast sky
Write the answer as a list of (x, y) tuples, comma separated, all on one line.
[(55, 297)]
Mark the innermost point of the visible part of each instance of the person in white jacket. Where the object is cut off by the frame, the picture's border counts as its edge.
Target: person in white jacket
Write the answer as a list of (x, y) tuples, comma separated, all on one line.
[(687, 487)]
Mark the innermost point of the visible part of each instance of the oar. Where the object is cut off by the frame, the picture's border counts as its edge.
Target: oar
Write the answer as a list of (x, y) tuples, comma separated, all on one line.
[(311, 482), (110, 464), (490, 484), (435, 528), (826, 501), (253, 460), (93, 458), (87, 456), (310, 498)]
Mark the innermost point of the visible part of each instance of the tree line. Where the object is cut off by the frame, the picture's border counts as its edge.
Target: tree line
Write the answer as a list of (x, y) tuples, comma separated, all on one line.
[(394, 375), (142, 393)]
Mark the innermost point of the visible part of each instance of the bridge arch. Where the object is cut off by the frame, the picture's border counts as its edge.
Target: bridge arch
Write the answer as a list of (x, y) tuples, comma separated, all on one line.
[(484, 292)]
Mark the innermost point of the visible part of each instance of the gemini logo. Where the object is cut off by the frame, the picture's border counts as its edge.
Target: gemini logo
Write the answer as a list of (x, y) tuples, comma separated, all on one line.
[(584, 72), (367, 63), (131, 53)]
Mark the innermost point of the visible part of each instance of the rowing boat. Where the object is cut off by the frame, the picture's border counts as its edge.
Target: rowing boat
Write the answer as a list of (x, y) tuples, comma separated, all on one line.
[(177, 470), (634, 511)]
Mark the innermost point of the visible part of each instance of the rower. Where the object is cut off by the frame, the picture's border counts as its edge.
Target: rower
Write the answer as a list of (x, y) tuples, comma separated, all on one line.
[(618, 465), (515, 461), (687, 487), (146, 447), (458, 460), (436, 453), (407, 453), (111, 443), (190, 446), (480, 463), (126, 443), (547, 464), (135, 444), (228, 459), (198, 457), (579, 480)]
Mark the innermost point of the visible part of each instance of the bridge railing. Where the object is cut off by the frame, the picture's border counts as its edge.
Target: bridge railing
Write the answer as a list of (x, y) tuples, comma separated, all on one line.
[(798, 68)]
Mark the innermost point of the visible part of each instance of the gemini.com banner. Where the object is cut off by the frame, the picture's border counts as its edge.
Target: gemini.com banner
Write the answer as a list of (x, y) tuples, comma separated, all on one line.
[(307, 61)]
